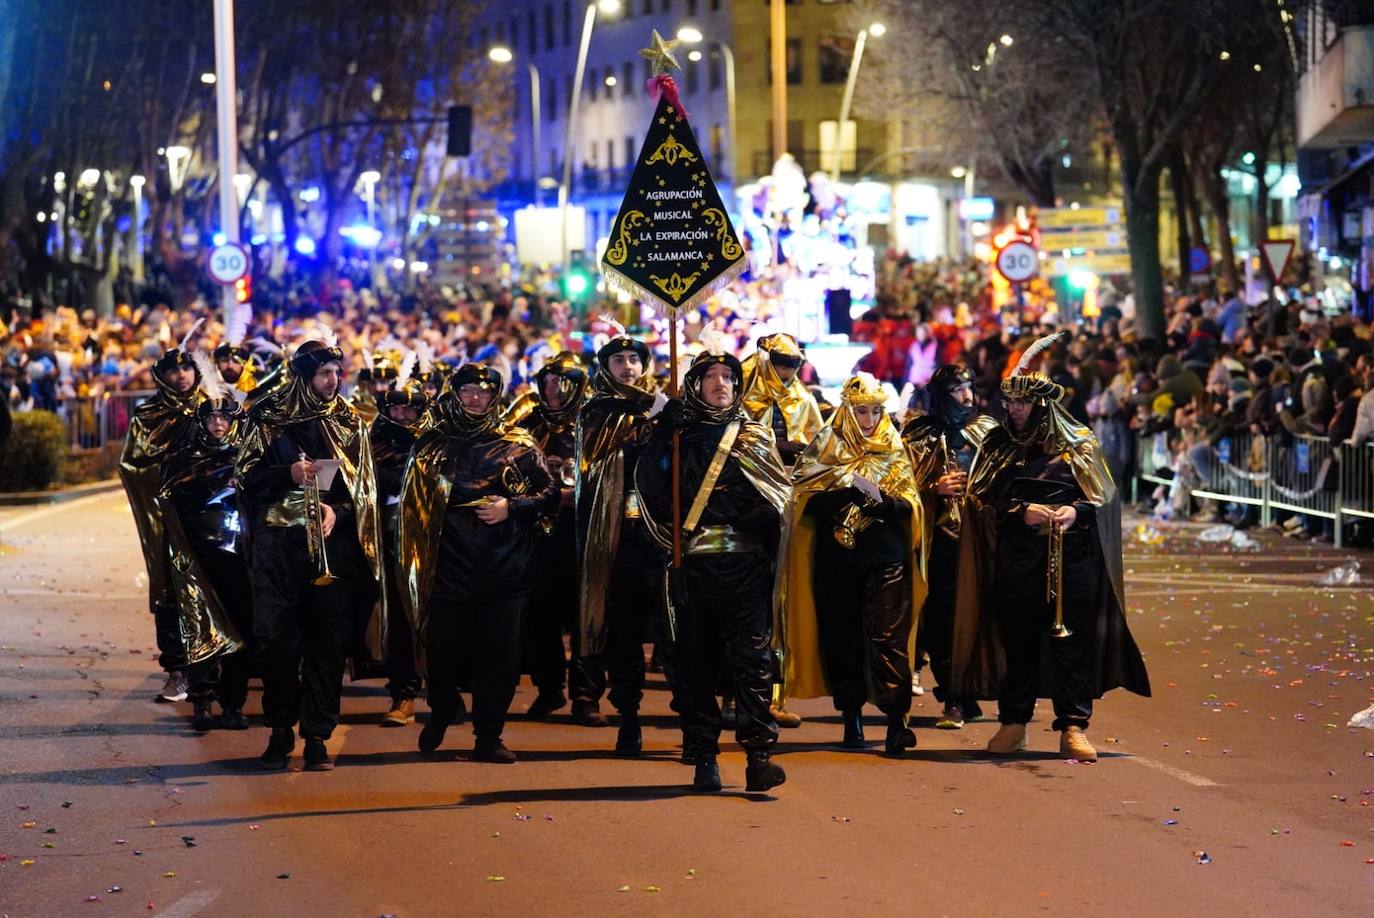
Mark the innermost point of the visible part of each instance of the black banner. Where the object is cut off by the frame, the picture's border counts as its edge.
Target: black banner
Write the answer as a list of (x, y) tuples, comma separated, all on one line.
[(672, 244)]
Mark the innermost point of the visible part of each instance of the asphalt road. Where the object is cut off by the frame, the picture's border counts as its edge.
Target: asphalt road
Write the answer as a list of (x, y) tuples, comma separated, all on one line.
[(110, 805)]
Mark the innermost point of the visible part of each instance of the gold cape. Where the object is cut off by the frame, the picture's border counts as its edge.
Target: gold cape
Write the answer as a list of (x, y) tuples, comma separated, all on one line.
[(763, 389), (364, 404), (207, 630), (520, 409), (160, 424), (979, 657), (929, 455), (425, 490), (758, 459), (293, 403), (839, 452), (614, 416)]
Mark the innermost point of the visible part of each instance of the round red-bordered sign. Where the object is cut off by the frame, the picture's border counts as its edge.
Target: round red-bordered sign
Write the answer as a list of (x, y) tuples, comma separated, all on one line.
[(228, 263), (1018, 261)]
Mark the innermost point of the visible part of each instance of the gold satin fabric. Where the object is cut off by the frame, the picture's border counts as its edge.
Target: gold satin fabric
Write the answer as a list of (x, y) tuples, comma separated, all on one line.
[(294, 402), (364, 403), (758, 459), (599, 459), (425, 491), (764, 388), (207, 630), (930, 458), (160, 424), (839, 453)]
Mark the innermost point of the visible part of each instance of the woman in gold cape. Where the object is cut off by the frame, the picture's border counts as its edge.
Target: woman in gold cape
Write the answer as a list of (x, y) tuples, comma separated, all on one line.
[(786, 406), (1002, 643), (819, 656)]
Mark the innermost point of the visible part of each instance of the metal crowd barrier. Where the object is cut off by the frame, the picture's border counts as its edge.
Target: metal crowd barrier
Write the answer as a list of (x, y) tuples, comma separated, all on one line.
[(95, 421), (1299, 474)]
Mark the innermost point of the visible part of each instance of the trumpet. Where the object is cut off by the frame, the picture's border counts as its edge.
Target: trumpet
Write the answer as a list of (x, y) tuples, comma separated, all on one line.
[(314, 528), (852, 521), (1054, 580)]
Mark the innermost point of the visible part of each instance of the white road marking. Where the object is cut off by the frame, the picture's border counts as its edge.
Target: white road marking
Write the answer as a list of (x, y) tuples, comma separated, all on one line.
[(43, 512), (1186, 776), (190, 905)]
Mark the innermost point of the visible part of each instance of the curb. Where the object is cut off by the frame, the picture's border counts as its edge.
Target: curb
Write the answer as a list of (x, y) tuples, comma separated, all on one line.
[(61, 495)]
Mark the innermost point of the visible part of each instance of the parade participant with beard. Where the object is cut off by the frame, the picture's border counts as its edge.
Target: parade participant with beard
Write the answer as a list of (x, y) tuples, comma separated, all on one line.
[(942, 444), (733, 488), (549, 416), (472, 503), (620, 567), (776, 397), (393, 435), (160, 424), (209, 576), (1041, 507), (853, 574), (316, 565)]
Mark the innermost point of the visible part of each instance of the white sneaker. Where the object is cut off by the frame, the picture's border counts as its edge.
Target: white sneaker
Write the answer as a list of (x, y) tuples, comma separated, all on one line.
[(174, 689), (916, 683)]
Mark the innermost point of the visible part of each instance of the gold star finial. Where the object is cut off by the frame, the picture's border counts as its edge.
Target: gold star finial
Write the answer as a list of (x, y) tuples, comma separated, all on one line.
[(661, 54)]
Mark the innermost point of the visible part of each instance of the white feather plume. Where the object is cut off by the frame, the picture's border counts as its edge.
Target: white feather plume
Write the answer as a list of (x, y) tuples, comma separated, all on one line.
[(1035, 350), (192, 333), (265, 346), (616, 328), (211, 382), (407, 369), (367, 359), (425, 353), (716, 342), (236, 323), (328, 337)]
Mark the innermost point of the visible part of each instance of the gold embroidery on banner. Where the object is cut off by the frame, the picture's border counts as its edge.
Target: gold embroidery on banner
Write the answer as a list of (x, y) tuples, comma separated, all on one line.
[(670, 151), (675, 285), (618, 252), (729, 248)]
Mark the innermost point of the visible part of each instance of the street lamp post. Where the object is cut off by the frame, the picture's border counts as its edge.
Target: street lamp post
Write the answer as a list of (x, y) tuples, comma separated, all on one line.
[(609, 7), (876, 30), (692, 36), (227, 134), (503, 55), (136, 183), (370, 178)]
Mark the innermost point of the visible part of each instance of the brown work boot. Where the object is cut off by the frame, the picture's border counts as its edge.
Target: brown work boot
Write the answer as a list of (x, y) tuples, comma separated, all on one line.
[(402, 712), (1008, 740), (1073, 744), (785, 719)]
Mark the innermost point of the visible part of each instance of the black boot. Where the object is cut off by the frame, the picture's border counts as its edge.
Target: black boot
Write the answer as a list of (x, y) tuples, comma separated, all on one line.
[(202, 720), (708, 774), (232, 719), (587, 714), (545, 703), (460, 712), (432, 734), (853, 730), (492, 750), (729, 714), (316, 756), (629, 741), (762, 773), (278, 749), (899, 735)]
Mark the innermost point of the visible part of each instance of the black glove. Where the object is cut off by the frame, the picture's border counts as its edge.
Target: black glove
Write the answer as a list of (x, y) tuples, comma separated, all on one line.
[(674, 414)]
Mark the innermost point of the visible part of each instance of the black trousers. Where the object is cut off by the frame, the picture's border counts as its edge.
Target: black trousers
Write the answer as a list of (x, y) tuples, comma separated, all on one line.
[(937, 616), (225, 678), (552, 610), (864, 622), (171, 650), (739, 623), (634, 604), (1024, 618), (403, 678), (303, 632), (474, 640)]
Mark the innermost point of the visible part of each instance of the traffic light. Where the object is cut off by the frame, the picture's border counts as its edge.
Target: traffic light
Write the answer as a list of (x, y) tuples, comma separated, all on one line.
[(459, 130), (243, 289), (577, 283)]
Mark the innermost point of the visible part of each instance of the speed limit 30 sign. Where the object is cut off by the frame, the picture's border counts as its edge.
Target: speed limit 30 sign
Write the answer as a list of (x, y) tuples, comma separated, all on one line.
[(1018, 261), (228, 263)]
